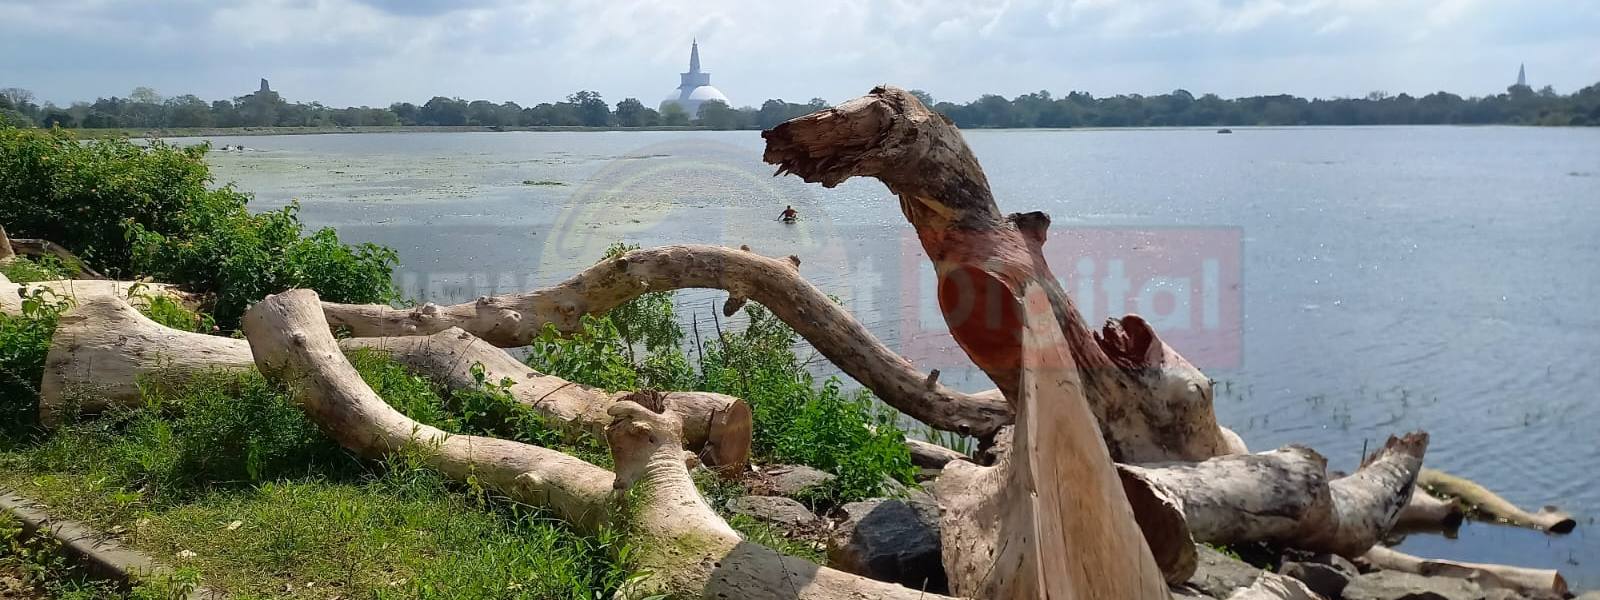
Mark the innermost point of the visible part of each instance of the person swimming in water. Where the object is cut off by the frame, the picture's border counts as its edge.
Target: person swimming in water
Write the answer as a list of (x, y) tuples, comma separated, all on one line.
[(789, 214)]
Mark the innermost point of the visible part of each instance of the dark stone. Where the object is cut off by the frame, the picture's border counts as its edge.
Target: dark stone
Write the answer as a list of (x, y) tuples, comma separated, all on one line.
[(890, 540), (1394, 585), (1218, 575), (1324, 579), (792, 480), (774, 509)]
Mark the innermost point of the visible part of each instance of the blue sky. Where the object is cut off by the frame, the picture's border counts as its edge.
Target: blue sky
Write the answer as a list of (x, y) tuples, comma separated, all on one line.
[(354, 52)]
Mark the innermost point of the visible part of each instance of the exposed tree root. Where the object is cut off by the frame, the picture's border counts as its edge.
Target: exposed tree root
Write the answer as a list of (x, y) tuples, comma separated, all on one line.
[(689, 550)]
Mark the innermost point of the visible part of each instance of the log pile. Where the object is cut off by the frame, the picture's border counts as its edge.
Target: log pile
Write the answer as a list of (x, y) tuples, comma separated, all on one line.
[(1103, 461)]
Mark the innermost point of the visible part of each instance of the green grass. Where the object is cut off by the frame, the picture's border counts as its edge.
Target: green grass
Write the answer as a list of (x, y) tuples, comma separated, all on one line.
[(26, 270), (226, 477)]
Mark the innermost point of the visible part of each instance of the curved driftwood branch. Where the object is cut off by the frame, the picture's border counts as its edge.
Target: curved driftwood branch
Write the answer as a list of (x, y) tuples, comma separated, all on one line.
[(1050, 519), (1481, 501), (1426, 512), (692, 552), (1151, 403), (716, 426), (516, 319), (103, 349), (1285, 496), (1537, 582)]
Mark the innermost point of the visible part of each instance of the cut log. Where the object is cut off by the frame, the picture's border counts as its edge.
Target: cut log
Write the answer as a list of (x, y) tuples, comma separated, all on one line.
[(1482, 502), (1284, 497), (717, 427), (687, 550), (516, 319), (1534, 582), (103, 349), (932, 456), (1050, 520), (1151, 403)]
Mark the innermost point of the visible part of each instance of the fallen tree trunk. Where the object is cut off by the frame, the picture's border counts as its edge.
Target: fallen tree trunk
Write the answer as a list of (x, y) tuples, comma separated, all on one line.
[(516, 319), (12, 247), (1481, 501), (6, 251), (1050, 519), (1537, 582), (77, 290), (716, 426), (1152, 404), (688, 550), (1284, 497), (103, 349), (932, 456)]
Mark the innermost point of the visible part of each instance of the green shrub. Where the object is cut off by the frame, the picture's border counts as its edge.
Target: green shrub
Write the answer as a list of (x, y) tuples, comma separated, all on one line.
[(150, 211), (24, 342)]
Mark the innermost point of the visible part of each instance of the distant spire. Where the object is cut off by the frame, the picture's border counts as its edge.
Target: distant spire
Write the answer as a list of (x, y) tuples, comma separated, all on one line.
[(694, 56), (1522, 75)]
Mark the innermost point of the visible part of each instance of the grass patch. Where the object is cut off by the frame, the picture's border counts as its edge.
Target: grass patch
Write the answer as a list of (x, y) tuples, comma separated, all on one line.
[(29, 270)]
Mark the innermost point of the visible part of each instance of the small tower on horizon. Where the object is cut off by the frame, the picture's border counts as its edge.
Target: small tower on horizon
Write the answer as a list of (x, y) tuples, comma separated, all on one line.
[(1522, 75)]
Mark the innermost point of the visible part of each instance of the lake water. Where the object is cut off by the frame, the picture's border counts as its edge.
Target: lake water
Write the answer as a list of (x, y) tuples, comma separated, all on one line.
[(1341, 284)]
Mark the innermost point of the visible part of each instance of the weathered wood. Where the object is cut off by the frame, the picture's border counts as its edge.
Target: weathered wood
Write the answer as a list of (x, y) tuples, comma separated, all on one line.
[(1481, 501), (516, 319), (1151, 403), (1426, 512), (1050, 520), (688, 551), (715, 426), (74, 290), (104, 348), (932, 456), (1285, 496), (1536, 582), (6, 251)]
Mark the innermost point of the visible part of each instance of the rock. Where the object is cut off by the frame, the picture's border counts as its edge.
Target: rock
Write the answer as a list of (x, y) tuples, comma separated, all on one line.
[(1324, 579), (774, 509), (1394, 585), (792, 480), (890, 540), (1272, 586), (1595, 595), (1217, 575)]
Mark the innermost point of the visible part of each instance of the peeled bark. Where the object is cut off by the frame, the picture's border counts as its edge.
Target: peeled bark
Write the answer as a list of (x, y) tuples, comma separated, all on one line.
[(1284, 497), (104, 348), (1481, 501), (688, 551), (715, 426), (1152, 404), (1537, 582), (1050, 519), (516, 319)]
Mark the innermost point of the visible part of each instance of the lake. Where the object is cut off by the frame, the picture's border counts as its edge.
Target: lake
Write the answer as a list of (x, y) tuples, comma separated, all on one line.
[(1340, 284)]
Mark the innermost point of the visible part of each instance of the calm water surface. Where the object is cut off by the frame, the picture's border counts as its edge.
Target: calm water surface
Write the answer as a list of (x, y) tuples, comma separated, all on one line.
[(1384, 279)]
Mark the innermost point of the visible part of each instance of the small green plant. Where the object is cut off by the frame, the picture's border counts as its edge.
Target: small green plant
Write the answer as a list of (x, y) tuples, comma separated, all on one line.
[(24, 343), (30, 270), (168, 312)]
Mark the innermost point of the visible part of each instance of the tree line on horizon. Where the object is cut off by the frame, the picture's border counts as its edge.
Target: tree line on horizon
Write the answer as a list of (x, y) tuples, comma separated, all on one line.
[(146, 109)]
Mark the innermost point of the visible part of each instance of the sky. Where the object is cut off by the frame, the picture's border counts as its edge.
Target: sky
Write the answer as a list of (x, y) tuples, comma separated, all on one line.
[(374, 52)]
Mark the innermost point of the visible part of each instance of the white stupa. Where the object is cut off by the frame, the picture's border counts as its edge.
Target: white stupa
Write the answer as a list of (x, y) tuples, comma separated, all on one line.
[(694, 87)]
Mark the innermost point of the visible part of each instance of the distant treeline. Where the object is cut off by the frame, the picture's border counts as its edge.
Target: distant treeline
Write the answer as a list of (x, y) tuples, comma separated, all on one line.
[(144, 108)]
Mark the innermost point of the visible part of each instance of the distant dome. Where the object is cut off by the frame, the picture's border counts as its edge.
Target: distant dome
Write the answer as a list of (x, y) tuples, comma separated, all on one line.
[(695, 87)]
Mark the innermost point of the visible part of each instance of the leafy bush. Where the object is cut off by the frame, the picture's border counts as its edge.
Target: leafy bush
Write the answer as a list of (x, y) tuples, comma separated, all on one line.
[(24, 342), (24, 270), (150, 211)]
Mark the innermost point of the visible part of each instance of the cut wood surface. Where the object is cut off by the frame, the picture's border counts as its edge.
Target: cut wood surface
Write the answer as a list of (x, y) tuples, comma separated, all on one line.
[(715, 426), (1523, 580), (1286, 498), (690, 551), (1151, 403), (1050, 520), (1481, 501), (516, 319)]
